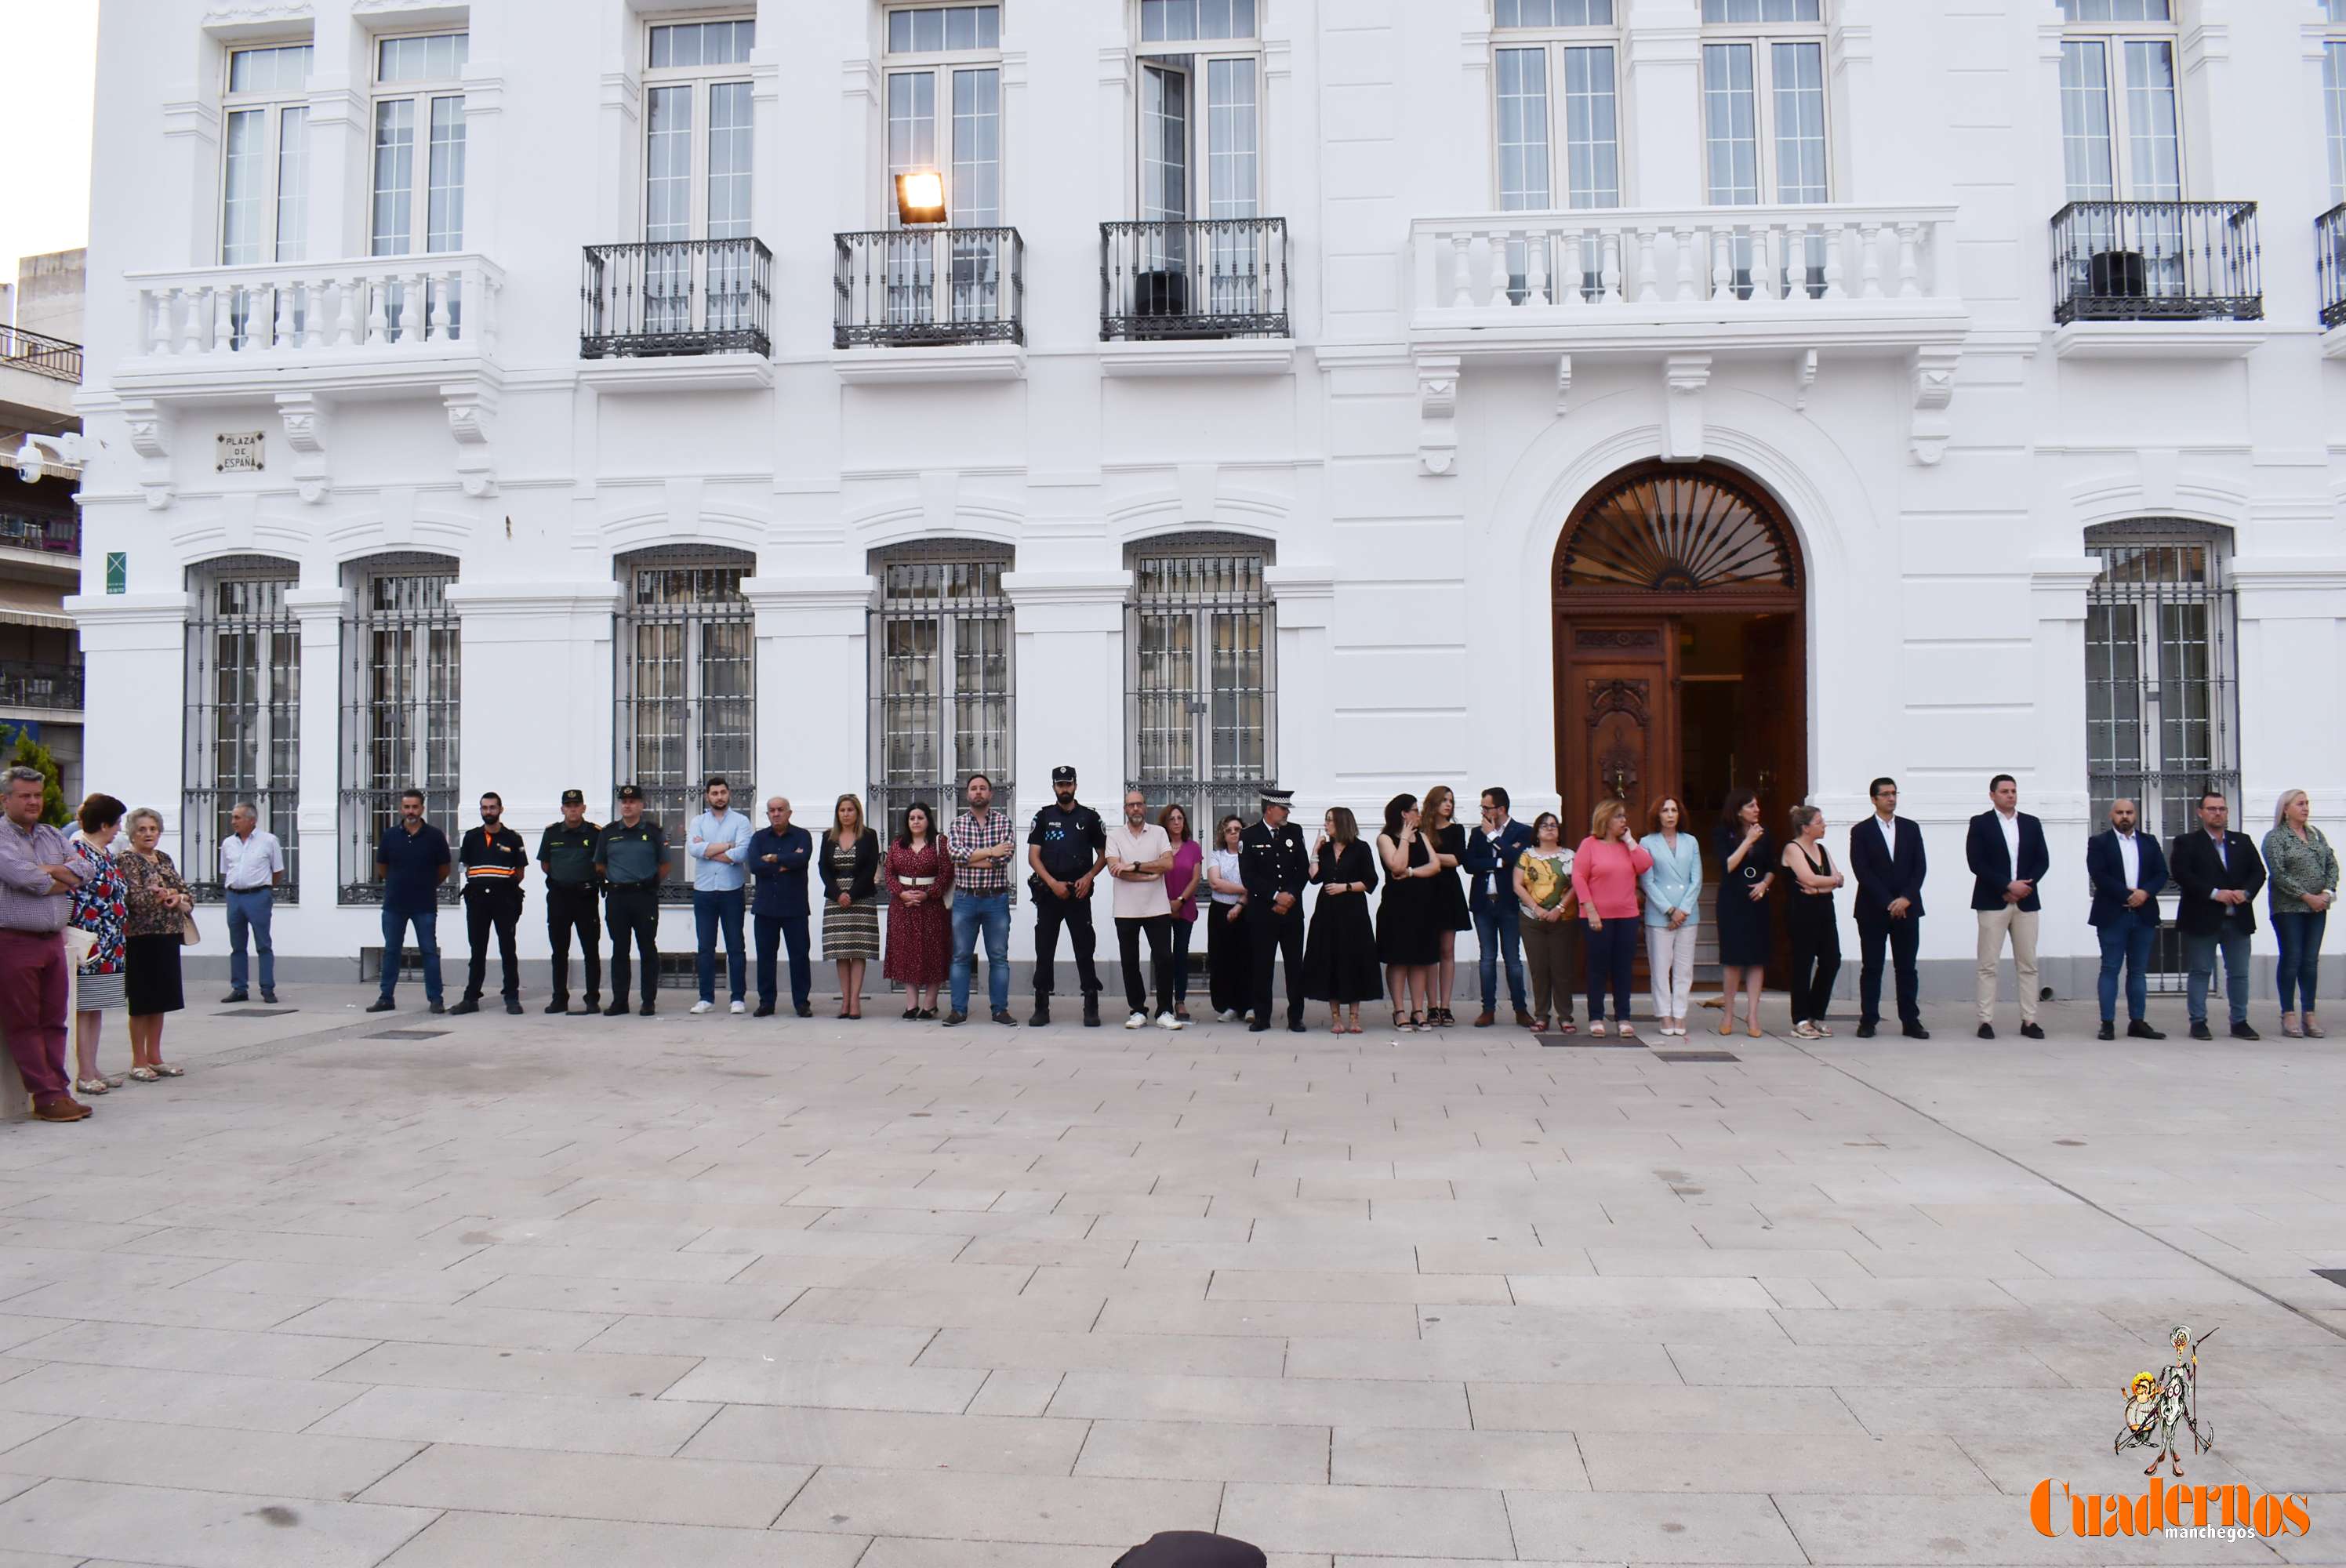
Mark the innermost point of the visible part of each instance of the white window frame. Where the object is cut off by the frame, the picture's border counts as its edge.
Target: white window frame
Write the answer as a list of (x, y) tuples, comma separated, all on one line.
[(701, 84), (2333, 96), (427, 150), (941, 67), (287, 212), (1554, 44), (2127, 181), (1760, 38), (1194, 61)]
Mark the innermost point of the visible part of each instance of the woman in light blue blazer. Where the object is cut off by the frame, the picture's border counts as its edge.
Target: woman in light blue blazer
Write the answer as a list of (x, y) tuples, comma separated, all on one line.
[(1673, 890)]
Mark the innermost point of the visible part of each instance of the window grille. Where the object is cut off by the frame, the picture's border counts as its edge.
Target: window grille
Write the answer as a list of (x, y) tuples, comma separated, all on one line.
[(401, 687), (243, 725), (943, 678), (1201, 708), (687, 688)]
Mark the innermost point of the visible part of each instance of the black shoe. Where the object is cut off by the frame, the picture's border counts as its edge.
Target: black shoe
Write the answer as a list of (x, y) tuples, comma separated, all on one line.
[(2108, 1031), (513, 1005), (380, 1005), (803, 1009), (1042, 1015), (765, 1010), (2032, 1032), (1914, 1031), (1865, 1031), (2242, 1031), (594, 1002), (617, 1010), (1091, 1011), (1295, 1026), (2138, 1030), (435, 1007), (469, 1004), (1002, 1017), (2200, 1031), (955, 1017), (1258, 1027), (269, 998), (559, 1004), (645, 1010), (234, 996), (1987, 1031)]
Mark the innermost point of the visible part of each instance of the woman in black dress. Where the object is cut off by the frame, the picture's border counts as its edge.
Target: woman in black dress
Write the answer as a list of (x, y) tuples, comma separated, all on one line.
[(1748, 858), (1816, 935), (1406, 943), (1339, 960), (1449, 912)]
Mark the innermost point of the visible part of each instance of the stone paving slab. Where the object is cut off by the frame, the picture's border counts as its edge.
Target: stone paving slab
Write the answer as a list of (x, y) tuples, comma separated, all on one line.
[(719, 1291)]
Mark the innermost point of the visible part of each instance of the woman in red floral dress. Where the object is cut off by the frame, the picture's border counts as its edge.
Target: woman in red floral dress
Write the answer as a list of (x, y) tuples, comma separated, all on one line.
[(920, 932)]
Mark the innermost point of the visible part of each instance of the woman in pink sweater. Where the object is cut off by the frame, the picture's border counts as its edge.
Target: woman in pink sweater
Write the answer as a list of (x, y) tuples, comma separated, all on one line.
[(1605, 872)]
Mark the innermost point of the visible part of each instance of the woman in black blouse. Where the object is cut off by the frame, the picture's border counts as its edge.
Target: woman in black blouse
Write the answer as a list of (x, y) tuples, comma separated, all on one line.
[(1339, 961)]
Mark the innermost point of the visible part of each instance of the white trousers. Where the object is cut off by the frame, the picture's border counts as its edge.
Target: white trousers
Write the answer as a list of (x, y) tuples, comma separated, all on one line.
[(1992, 926), (1669, 961)]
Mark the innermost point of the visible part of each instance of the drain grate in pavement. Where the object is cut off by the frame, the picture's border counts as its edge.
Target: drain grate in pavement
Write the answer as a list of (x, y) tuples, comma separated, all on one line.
[(1698, 1055), (1582, 1043), (2335, 1276), (409, 1034), (256, 1013)]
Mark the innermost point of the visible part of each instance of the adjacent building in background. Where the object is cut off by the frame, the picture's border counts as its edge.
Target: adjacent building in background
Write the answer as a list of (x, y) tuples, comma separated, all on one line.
[(40, 525), (1630, 397)]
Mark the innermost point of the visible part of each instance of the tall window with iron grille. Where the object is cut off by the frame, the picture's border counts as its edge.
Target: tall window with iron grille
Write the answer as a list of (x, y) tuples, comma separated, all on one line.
[(942, 678), (1553, 81), (417, 161), (401, 704), (1200, 727), (243, 714), (687, 685)]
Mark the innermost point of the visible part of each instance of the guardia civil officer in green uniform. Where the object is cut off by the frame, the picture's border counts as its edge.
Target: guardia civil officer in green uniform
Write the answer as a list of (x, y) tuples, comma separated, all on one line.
[(1275, 868), (630, 858), (566, 853)]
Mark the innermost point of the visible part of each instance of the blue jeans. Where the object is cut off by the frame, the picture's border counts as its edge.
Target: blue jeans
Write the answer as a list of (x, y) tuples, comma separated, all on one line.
[(1499, 925), (2126, 943), (2199, 954), (248, 917), (426, 923), (771, 930), (992, 912), (2299, 931), (711, 910)]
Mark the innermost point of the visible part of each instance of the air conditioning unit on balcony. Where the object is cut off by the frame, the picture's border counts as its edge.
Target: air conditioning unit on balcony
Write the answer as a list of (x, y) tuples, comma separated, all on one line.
[(1160, 295), (2119, 275)]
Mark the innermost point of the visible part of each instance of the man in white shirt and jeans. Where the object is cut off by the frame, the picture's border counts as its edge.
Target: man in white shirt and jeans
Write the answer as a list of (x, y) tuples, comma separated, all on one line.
[(251, 868), (1138, 856)]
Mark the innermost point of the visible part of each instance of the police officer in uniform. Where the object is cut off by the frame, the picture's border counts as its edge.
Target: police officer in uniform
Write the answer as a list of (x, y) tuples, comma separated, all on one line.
[(1274, 867), (630, 858), (494, 859), (1066, 848), (566, 853)]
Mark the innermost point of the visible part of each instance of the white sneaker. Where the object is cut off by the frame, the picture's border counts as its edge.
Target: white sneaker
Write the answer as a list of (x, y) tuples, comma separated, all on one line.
[(1166, 1020), (701, 1007), (740, 1008), (1138, 1021), (1227, 1015)]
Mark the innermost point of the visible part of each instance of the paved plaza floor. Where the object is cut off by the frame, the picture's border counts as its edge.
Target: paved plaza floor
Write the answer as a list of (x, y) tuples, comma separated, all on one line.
[(714, 1291)]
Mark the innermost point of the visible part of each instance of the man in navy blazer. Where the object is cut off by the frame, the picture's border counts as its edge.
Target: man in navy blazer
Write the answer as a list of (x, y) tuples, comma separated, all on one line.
[(1885, 855), (2126, 870), (2221, 874), (2006, 853), (1492, 849)]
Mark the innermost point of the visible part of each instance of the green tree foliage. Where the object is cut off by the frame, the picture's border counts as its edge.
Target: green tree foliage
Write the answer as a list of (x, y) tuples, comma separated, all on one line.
[(28, 752)]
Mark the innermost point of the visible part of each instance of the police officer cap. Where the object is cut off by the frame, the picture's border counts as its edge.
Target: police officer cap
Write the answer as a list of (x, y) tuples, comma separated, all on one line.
[(1191, 1549), (573, 797), (630, 793), (1278, 796), (1063, 774)]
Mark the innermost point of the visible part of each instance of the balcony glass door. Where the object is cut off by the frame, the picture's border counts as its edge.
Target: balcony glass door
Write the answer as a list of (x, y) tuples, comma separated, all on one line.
[(698, 143), (2122, 144)]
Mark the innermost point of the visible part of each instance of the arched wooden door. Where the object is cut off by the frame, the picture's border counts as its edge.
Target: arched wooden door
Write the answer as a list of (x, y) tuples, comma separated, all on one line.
[(1680, 656)]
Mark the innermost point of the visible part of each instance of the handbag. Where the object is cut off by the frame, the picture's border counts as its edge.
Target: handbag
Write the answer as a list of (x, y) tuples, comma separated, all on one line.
[(189, 933)]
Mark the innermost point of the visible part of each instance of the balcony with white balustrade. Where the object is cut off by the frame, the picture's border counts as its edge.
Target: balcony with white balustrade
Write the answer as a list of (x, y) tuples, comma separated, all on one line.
[(308, 336)]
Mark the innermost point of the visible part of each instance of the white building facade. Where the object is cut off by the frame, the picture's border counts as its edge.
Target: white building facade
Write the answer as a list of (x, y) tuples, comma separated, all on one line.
[(1634, 396)]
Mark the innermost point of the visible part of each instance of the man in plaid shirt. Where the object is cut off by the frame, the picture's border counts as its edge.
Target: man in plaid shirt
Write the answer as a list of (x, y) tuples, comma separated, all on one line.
[(980, 842)]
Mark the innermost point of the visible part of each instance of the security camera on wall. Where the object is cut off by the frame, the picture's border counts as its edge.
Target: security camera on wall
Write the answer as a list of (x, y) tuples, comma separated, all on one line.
[(30, 463)]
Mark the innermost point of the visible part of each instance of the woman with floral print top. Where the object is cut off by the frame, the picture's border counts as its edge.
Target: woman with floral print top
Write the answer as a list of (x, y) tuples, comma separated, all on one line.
[(101, 907), (160, 901)]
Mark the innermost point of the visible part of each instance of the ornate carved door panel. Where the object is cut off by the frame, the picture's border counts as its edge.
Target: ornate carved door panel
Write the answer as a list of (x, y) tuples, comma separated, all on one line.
[(1615, 717)]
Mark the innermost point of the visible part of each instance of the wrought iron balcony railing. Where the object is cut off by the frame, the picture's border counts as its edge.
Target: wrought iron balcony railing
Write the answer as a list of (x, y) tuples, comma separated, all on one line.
[(2157, 262), (39, 353), (901, 287), (50, 535), (24, 684), (2329, 263), (1194, 278), (676, 297)]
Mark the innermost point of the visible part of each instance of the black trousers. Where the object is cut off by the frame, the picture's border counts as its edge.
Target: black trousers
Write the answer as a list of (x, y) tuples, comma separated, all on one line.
[(486, 910), (1610, 951), (1075, 914), (1271, 934), (1902, 937), (1816, 955), (1230, 958), (632, 911), (570, 907), (1157, 929)]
